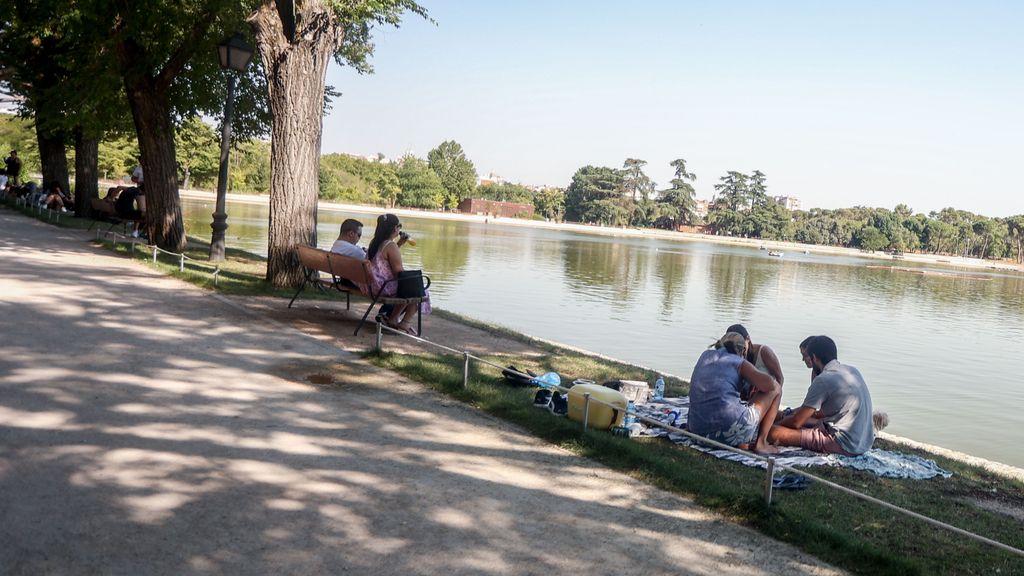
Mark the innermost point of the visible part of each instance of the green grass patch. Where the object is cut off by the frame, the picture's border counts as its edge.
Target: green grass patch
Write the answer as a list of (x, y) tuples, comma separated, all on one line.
[(848, 532)]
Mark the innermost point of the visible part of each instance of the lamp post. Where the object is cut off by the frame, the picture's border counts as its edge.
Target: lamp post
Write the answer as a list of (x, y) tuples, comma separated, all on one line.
[(234, 55)]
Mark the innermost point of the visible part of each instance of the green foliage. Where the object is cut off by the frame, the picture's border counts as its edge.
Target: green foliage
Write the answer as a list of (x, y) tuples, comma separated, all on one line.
[(634, 181), (550, 203), (871, 238), (250, 167), (677, 204), (420, 186), (117, 157), (198, 150), (352, 179), (457, 173), (504, 192), (18, 134), (594, 195)]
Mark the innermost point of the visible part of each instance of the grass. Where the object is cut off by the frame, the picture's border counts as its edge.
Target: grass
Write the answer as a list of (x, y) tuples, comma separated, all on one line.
[(840, 529), (848, 532)]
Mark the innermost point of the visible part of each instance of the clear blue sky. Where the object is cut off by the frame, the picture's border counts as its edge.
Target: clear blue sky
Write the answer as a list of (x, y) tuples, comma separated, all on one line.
[(859, 103)]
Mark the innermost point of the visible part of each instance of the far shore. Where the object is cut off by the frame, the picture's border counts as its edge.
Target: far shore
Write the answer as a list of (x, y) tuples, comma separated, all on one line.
[(771, 245)]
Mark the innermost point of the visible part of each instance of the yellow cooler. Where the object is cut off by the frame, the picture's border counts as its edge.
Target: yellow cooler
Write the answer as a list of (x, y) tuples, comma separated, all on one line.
[(602, 416)]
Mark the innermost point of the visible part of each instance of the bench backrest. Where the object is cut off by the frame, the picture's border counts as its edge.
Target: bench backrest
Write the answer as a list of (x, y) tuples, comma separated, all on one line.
[(102, 207), (352, 269)]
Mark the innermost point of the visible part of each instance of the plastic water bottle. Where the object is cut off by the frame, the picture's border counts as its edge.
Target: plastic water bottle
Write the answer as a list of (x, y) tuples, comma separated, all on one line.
[(659, 390), (630, 417)]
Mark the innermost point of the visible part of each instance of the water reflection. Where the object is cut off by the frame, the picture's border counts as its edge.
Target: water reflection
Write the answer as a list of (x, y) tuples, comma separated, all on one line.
[(938, 352), (739, 283)]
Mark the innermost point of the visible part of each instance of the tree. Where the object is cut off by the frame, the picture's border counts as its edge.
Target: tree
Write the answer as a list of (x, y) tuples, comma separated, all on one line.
[(1015, 224), (678, 204), (457, 173), (591, 194), (871, 238), (550, 203), (757, 189), (198, 151), (296, 40), (634, 180), (732, 199), (420, 186)]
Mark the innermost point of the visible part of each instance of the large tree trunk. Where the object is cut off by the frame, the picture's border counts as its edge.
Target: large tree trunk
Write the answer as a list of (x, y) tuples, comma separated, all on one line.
[(53, 156), (87, 152), (296, 72), (152, 115)]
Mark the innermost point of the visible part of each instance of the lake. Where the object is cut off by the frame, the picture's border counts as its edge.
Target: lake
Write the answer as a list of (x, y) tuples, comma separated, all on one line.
[(940, 353)]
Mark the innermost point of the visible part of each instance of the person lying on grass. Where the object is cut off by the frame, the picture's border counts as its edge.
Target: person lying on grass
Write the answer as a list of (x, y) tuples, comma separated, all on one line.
[(840, 401), (716, 410)]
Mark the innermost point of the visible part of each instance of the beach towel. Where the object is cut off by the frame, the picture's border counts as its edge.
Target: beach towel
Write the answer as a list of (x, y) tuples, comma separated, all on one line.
[(884, 463)]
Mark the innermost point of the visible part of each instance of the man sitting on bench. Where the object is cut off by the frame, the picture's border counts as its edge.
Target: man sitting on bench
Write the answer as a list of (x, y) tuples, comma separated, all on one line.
[(125, 206)]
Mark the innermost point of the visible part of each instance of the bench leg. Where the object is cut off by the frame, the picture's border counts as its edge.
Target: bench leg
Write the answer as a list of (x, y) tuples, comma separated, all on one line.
[(301, 288), (365, 314)]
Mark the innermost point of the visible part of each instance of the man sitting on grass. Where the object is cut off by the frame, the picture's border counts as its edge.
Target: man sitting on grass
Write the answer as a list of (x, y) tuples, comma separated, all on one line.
[(840, 397)]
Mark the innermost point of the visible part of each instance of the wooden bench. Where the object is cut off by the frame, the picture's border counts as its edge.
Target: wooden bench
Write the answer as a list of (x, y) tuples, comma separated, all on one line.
[(103, 211), (349, 276)]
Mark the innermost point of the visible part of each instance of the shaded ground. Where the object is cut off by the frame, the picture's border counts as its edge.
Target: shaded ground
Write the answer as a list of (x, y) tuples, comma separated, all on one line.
[(150, 427)]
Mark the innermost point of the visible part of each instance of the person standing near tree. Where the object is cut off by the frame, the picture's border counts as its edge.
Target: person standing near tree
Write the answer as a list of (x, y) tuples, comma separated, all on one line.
[(12, 165)]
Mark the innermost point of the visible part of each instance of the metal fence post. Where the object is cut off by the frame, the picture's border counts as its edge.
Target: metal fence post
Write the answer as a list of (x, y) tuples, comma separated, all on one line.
[(154, 254), (379, 337), (586, 410), (465, 370), (768, 481), (181, 264)]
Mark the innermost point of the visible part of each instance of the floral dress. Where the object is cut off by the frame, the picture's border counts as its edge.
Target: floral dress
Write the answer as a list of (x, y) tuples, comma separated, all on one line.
[(380, 268)]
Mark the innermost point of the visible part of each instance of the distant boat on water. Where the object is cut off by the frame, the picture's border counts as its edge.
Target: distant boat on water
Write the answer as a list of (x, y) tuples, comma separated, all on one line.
[(776, 254)]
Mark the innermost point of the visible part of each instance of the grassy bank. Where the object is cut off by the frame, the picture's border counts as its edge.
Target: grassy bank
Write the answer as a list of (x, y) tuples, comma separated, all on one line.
[(837, 528)]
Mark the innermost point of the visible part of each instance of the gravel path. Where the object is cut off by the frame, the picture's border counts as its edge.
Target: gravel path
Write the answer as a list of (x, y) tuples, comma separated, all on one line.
[(148, 427)]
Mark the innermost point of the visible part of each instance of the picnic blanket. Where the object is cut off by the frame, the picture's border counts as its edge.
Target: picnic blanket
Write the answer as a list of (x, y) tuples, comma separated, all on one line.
[(885, 463)]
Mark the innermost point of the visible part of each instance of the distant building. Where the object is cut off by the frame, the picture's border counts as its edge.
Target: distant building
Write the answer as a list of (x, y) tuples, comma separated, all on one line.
[(482, 207), (701, 208), (788, 202), (492, 179)]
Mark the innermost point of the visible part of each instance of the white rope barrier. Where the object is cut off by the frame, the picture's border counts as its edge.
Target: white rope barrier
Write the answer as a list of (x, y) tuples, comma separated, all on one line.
[(771, 462)]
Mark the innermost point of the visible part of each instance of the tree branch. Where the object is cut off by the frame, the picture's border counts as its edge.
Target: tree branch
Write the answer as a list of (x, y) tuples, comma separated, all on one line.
[(185, 50)]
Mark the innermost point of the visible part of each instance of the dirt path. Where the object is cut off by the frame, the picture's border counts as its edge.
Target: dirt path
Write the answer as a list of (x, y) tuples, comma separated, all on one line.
[(190, 442)]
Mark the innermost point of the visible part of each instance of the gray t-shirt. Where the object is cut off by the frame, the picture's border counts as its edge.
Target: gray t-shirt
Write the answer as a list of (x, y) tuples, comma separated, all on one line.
[(842, 396), (346, 248)]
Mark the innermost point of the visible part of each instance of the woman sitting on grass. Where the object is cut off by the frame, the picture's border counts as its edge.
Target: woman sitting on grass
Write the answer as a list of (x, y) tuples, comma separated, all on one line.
[(716, 410), (385, 264)]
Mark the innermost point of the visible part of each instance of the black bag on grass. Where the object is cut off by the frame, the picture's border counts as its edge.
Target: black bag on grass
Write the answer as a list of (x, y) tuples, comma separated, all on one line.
[(514, 376)]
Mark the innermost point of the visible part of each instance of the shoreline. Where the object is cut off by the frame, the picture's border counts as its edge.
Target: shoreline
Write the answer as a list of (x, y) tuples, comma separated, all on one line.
[(777, 245), (999, 468)]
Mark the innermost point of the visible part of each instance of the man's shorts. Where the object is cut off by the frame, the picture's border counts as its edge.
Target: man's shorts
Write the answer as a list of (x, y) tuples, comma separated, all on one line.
[(819, 439)]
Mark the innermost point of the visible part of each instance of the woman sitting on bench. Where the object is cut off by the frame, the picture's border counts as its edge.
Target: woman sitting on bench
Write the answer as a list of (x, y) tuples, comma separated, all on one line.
[(385, 264)]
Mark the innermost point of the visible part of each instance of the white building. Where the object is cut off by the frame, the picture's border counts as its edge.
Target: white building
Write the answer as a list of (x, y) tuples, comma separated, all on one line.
[(788, 202)]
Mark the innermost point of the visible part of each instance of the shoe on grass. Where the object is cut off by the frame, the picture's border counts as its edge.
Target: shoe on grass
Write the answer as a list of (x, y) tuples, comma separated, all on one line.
[(542, 399), (559, 404)]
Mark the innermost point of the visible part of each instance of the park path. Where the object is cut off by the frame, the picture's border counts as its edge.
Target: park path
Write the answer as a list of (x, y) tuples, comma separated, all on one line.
[(149, 427)]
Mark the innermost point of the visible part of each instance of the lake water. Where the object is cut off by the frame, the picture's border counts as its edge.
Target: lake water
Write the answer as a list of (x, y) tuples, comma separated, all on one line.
[(940, 354)]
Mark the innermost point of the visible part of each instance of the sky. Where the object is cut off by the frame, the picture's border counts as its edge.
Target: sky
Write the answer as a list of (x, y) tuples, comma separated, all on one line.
[(840, 104)]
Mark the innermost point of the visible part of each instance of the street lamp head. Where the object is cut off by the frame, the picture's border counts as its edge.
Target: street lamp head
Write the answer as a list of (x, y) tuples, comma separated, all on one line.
[(234, 53)]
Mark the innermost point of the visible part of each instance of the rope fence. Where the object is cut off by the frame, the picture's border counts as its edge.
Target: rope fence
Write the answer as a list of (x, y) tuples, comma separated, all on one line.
[(181, 257), (771, 464)]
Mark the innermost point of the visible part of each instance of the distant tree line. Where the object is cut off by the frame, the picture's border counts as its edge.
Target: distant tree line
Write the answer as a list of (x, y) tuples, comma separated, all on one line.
[(599, 195)]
